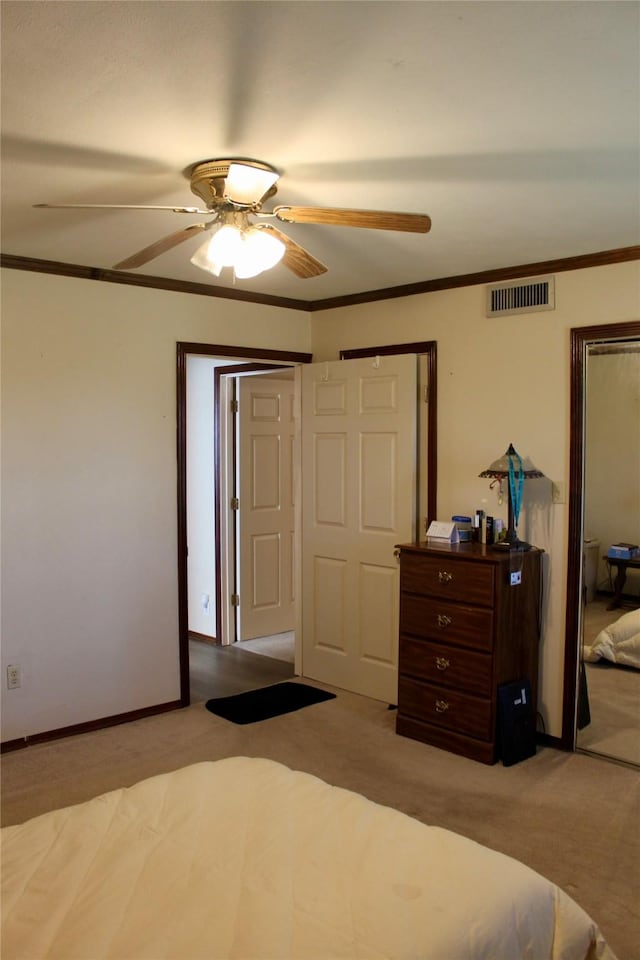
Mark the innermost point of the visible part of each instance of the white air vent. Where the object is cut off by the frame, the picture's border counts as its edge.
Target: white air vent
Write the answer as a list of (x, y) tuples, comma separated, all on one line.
[(518, 296)]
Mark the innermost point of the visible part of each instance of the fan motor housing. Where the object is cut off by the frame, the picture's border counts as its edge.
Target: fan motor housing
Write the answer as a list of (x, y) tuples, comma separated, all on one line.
[(208, 177)]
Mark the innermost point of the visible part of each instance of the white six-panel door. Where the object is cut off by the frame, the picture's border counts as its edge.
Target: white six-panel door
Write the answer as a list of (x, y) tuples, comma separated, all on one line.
[(358, 501), (267, 522)]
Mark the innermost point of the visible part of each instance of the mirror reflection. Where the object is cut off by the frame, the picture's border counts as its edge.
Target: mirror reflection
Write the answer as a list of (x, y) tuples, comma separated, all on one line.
[(609, 674)]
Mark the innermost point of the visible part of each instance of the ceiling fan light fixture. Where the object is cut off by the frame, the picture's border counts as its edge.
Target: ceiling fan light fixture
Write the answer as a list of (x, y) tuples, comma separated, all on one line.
[(247, 183), (259, 251), (220, 250), (250, 251), (224, 246)]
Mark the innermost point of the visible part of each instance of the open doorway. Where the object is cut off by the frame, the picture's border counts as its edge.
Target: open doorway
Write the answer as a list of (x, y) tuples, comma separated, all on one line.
[(226, 355), (425, 450)]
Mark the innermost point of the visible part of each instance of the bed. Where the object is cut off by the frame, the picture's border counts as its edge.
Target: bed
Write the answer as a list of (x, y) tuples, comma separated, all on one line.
[(619, 642), (245, 858)]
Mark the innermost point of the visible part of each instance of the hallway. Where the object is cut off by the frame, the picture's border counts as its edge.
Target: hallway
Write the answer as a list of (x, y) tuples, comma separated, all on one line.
[(217, 671)]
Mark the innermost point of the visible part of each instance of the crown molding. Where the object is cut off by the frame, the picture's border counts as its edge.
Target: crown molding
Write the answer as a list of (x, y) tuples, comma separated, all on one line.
[(145, 280), (601, 259), (583, 262)]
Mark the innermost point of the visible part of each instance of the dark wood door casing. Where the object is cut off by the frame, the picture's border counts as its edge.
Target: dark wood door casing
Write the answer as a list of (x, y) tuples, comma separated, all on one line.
[(580, 337), (183, 349)]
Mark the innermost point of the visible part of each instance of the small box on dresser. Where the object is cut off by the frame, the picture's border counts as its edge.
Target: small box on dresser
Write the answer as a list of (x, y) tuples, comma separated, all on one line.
[(465, 628)]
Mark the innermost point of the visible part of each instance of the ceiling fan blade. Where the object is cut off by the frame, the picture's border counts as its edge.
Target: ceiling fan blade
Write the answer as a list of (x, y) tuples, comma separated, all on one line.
[(115, 206), (296, 258), (372, 219), (249, 182), (160, 246)]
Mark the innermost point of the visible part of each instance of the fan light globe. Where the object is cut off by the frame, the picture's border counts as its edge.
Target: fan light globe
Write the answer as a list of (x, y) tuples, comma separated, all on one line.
[(225, 245), (219, 251), (249, 251), (246, 183), (259, 251)]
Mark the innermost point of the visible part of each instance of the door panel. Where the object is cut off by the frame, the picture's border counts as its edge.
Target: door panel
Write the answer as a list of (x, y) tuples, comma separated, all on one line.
[(266, 506), (358, 502)]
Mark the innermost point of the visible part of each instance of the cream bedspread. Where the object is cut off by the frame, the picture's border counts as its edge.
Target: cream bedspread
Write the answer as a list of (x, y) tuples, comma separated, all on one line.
[(244, 858), (619, 642)]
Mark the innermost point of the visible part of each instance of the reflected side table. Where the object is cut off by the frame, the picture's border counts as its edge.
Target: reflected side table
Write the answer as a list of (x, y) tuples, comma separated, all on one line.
[(621, 566)]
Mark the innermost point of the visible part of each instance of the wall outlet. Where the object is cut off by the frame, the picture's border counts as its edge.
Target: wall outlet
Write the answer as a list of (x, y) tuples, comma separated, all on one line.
[(14, 676), (516, 578)]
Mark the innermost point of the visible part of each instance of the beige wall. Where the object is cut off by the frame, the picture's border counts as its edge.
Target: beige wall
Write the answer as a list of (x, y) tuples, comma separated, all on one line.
[(500, 381), (89, 465), (89, 488)]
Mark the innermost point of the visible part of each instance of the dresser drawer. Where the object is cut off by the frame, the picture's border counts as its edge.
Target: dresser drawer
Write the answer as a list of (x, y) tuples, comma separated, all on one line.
[(449, 622), (448, 577), (445, 708), (443, 664)]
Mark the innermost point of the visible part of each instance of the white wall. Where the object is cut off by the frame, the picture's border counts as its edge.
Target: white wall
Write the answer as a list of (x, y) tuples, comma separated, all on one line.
[(201, 570), (201, 527), (89, 554), (500, 381)]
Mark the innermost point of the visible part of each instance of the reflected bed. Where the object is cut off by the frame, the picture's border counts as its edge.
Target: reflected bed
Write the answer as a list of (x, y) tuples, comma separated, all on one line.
[(619, 642)]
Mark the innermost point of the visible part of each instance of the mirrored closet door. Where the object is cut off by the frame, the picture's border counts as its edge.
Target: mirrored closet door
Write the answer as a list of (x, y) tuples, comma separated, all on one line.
[(608, 696)]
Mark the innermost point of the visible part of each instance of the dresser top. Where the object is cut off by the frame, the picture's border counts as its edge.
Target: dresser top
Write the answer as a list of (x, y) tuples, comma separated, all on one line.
[(471, 551)]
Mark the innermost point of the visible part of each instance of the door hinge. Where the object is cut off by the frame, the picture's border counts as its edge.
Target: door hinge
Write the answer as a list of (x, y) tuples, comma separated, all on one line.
[(235, 503), (235, 599), (233, 406), (426, 394)]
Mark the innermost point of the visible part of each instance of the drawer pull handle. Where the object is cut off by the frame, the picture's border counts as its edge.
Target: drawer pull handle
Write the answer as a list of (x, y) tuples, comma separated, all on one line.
[(441, 706), (443, 620), (442, 663), (444, 576)]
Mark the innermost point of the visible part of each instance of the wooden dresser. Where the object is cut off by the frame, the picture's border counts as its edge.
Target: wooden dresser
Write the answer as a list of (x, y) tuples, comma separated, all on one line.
[(464, 629)]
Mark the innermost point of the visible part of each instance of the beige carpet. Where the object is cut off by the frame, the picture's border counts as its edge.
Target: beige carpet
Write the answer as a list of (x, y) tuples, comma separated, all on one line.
[(572, 817)]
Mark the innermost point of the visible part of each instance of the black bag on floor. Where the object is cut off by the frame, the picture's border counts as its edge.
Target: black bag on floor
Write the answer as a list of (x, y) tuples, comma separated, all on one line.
[(516, 722)]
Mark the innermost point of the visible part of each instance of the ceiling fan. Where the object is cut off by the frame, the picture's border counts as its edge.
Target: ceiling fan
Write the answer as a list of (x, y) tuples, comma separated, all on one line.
[(234, 191)]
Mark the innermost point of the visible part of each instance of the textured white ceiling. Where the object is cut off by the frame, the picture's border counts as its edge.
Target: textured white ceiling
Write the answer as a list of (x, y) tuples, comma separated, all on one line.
[(514, 125)]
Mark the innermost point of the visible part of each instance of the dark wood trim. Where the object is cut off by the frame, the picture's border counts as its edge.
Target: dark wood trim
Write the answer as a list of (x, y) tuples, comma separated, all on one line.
[(546, 740), (183, 348), (432, 429), (579, 338), (10, 745), (430, 348), (388, 349), (241, 353), (90, 726), (604, 258), (146, 280), (181, 457), (582, 262)]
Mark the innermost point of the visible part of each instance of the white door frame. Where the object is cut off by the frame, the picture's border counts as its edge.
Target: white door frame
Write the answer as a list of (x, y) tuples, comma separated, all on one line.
[(228, 573)]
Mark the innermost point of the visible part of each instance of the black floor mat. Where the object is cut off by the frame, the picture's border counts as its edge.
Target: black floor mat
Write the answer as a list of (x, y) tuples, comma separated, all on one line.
[(255, 705)]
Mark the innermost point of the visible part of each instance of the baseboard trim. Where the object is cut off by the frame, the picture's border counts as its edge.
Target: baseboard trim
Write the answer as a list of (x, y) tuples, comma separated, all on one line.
[(89, 727), (546, 740)]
